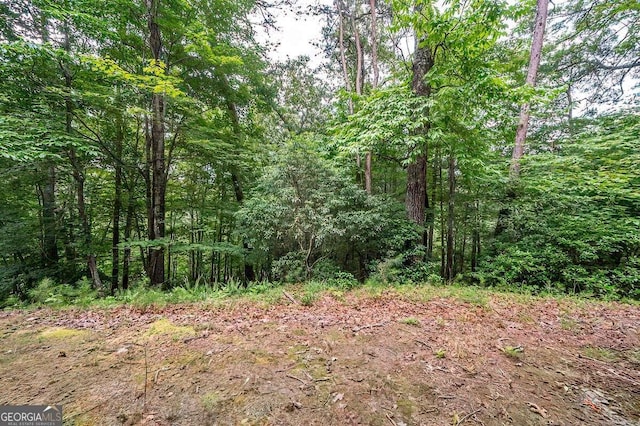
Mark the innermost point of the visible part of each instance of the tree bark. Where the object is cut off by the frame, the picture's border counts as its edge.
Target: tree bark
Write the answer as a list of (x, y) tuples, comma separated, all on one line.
[(534, 64), (416, 197), (416, 190), (158, 173)]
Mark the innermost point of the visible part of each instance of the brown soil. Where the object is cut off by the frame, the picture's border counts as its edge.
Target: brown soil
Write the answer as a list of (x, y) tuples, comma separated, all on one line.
[(351, 358)]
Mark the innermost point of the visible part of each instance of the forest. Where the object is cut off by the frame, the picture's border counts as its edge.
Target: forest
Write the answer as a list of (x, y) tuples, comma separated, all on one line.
[(159, 144)]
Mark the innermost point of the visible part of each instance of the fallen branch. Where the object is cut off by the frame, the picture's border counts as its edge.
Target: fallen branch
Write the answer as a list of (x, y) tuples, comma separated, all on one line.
[(364, 327), (462, 420), (290, 297), (189, 339)]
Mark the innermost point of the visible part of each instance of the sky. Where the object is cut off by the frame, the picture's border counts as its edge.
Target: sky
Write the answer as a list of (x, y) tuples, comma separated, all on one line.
[(296, 33)]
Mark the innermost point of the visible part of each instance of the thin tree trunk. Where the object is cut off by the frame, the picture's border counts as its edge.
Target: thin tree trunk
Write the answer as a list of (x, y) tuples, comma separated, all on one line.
[(117, 206), (148, 186), (432, 214), (534, 64), (374, 43), (78, 172), (343, 57), (192, 252), (49, 232), (128, 227), (460, 267), (249, 273), (346, 78), (442, 230), (449, 271), (359, 56), (359, 89), (368, 179)]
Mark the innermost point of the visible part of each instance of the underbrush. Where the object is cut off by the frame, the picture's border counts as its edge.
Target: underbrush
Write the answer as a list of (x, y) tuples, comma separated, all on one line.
[(50, 294)]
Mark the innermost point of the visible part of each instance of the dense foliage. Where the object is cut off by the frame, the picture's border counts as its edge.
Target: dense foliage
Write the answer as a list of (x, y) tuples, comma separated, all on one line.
[(576, 220), (156, 143)]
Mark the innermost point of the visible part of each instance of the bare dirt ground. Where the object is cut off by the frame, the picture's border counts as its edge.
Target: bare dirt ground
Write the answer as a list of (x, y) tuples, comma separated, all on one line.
[(351, 358)]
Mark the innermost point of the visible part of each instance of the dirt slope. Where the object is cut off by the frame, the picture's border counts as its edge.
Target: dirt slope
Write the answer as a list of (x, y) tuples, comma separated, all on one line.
[(383, 359)]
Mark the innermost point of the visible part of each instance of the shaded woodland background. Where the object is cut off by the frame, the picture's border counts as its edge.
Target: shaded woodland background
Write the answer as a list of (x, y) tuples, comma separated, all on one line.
[(155, 143)]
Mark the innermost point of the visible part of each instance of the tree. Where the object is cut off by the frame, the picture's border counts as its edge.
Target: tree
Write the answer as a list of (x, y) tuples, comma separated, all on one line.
[(534, 64)]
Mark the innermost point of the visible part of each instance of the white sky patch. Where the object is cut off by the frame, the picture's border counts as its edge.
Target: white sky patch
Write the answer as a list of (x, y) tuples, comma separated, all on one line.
[(297, 32)]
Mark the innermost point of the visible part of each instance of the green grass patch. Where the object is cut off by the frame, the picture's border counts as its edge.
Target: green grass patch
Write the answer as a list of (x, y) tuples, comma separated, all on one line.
[(62, 333), (165, 327), (411, 321), (601, 354)]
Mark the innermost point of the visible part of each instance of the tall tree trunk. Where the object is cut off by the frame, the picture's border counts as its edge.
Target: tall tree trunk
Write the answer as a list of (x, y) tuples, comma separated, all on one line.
[(148, 187), (431, 215), (416, 190), (359, 90), (449, 270), (534, 64), (249, 273), (416, 197), (49, 231), (78, 172), (117, 205), (158, 173), (128, 227), (49, 228), (368, 179), (345, 75), (443, 257), (374, 43), (359, 56), (343, 56)]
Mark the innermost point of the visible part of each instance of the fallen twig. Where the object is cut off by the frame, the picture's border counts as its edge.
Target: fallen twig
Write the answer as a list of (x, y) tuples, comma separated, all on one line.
[(364, 327), (423, 343), (155, 379), (462, 420), (290, 297), (537, 409), (391, 420), (291, 376), (189, 339)]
